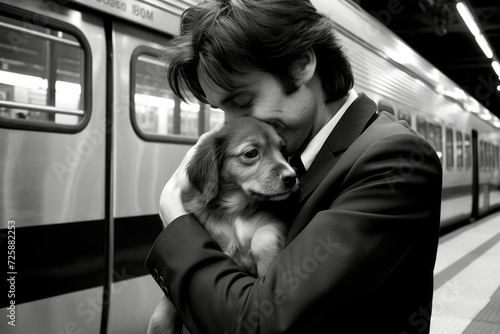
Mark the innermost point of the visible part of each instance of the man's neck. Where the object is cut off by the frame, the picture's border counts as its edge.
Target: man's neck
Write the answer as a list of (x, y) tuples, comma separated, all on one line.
[(313, 146)]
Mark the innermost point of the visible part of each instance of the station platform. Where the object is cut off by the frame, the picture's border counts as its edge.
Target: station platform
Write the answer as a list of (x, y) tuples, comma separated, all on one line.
[(467, 280)]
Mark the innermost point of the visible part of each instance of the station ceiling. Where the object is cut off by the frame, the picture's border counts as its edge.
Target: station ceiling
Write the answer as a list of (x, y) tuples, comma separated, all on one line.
[(436, 31)]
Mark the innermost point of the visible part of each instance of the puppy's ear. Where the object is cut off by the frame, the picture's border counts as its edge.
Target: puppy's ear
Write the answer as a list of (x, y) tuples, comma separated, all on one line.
[(203, 170)]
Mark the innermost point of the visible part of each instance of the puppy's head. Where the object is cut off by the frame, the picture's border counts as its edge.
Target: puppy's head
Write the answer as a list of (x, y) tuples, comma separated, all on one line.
[(246, 155)]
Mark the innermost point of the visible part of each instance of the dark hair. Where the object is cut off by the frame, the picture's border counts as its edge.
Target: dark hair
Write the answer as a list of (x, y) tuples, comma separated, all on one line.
[(225, 37)]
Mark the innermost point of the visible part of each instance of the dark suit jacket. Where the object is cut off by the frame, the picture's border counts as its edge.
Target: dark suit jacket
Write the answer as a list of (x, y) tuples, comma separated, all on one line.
[(360, 253)]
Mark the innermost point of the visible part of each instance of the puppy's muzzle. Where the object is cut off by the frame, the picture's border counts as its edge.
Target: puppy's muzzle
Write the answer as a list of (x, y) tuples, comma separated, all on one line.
[(288, 177)]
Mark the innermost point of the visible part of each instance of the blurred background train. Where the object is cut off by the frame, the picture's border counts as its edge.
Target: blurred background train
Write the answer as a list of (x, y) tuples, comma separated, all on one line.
[(90, 132)]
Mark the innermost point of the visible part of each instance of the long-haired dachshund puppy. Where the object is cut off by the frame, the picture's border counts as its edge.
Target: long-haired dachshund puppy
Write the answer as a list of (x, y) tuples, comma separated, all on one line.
[(237, 174)]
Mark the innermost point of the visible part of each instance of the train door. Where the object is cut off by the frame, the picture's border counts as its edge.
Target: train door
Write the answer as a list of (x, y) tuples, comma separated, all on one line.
[(475, 176), (152, 131), (52, 171), (141, 166)]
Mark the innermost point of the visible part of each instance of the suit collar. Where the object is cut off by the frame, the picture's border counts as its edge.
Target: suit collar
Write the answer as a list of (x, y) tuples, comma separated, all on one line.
[(351, 125), (356, 118)]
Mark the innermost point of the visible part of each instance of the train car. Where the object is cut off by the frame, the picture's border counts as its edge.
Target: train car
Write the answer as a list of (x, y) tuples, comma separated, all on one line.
[(90, 132)]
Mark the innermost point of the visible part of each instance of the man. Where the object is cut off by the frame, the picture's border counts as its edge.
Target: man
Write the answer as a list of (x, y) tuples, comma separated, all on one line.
[(363, 235)]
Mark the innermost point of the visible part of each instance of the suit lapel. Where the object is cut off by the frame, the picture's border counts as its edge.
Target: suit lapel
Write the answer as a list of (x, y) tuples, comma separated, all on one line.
[(350, 126), (355, 120)]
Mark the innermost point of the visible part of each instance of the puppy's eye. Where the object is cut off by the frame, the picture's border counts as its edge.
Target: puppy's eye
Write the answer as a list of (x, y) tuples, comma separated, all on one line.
[(283, 148), (251, 154)]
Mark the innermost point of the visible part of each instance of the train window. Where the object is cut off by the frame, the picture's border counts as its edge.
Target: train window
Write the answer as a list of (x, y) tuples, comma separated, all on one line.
[(497, 157), (449, 148), (157, 113), (438, 140), (493, 157), (481, 155), (43, 77), (468, 153), (384, 106), (404, 116), (421, 127), (431, 134), (484, 156), (490, 156), (460, 151)]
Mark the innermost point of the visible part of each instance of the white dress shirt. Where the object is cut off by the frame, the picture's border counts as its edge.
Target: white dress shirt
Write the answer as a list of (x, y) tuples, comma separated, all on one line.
[(312, 149)]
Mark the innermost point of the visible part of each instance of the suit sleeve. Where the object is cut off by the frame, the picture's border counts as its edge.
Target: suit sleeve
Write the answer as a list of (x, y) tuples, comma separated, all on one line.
[(350, 246)]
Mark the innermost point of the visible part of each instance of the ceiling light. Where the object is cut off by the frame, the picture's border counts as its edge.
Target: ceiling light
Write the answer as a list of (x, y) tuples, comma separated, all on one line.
[(484, 46), (496, 67), (468, 18)]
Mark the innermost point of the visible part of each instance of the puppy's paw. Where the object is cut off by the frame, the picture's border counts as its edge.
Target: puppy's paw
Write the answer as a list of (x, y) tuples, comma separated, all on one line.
[(267, 243)]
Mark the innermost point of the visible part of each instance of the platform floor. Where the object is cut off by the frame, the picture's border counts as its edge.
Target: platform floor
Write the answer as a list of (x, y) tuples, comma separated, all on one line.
[(467, 280)]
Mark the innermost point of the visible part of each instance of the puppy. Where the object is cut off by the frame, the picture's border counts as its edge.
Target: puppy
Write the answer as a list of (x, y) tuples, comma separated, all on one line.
[(238, 174)]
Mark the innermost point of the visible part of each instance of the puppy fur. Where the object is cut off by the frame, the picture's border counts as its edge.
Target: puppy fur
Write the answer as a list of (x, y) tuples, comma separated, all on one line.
[(237, 174)]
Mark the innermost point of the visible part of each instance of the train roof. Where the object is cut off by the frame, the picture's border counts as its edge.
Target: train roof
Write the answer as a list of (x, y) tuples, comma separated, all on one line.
[(350, 18)]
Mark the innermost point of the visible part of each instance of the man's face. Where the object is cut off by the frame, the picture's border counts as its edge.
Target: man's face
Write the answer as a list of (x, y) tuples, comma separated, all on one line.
[(261, 96)]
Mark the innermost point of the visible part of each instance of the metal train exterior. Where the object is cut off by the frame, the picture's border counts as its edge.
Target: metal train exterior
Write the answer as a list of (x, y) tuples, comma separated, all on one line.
[(90, 133)]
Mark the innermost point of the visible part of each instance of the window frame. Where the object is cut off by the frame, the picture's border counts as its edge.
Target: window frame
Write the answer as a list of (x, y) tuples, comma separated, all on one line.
[(151, 137), (31, 125)]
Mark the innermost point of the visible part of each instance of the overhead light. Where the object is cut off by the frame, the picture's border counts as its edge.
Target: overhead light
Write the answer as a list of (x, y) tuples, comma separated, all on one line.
[(469, 20), (485, 116), (496, 67), (484, 46), (466, 15)]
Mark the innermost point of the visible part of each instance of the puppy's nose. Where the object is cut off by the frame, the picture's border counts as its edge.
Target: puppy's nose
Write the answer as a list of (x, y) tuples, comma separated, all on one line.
[(289, 181), (289, 178)]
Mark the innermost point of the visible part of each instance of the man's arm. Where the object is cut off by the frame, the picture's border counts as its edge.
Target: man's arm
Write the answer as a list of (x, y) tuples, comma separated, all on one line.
[(345, 252)]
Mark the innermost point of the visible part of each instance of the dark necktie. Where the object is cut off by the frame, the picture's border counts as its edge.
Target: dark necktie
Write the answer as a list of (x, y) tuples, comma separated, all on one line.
[(297, 165)]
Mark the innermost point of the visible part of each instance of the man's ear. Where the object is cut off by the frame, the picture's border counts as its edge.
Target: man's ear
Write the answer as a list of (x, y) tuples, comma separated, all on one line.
[(305, 67)]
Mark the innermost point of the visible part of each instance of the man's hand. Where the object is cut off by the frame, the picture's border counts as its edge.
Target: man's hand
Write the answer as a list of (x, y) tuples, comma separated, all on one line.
[(170, 200)]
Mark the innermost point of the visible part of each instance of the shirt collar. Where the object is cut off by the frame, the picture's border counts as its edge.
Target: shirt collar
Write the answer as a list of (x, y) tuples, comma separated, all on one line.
[(312, 149)]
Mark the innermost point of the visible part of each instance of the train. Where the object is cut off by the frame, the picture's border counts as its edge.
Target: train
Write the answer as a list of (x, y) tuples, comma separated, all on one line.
[(90, 132)]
